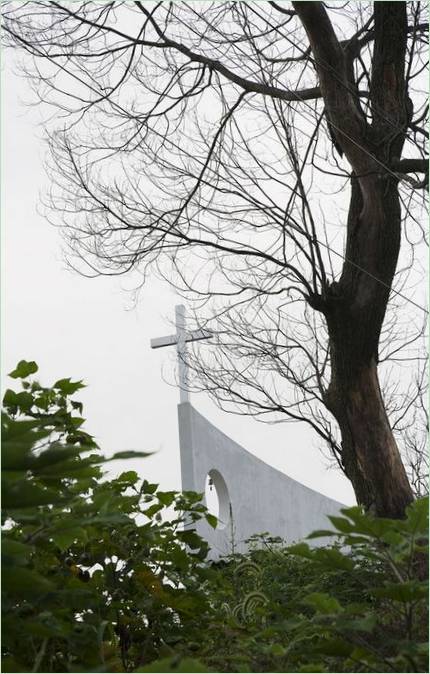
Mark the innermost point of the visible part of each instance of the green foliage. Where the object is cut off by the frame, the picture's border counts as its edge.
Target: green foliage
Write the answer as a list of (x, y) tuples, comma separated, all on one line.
[(95, 576), (360, 605), (101, 575)]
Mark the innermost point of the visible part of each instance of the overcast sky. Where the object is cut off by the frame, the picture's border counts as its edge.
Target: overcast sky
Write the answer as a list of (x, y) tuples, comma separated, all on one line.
[(90, 329)]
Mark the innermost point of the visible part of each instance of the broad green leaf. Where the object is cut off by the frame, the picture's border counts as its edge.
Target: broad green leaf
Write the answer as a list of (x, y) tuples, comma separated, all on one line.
[(10, 398), (16, 453), (212, 520), (417, 516), (13, 429), (26, 495), (148, 488), (301, 550), (322, 533), (365, 624), (67, 386), (64, 539), (342, 524), (175, 664), (21, 582), (55, 454), (15, 552), (24, 369), (152, 510), (191, 538), (413, 590), (333, 558), (334, 646), (323, 603), (126, 454), (24, 400), (180, 558), (129, 477), (312, 667), (166, 497), (10, 664)]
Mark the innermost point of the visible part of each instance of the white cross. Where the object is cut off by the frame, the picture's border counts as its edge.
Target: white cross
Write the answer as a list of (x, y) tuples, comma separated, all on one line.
[(180, 339)]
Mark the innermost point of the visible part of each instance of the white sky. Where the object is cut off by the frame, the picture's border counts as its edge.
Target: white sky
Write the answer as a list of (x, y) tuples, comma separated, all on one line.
[(88, 329)]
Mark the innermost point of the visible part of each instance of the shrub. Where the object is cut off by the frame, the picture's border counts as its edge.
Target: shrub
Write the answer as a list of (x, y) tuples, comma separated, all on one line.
[(360, 605), (93, 576), (109, 575)]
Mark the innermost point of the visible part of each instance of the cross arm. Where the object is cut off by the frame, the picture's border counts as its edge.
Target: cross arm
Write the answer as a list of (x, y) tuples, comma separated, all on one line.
[(158, 342), (169, 340)]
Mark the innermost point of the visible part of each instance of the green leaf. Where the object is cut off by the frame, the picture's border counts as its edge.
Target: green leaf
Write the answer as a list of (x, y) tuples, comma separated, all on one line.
[(152, 510), (10, 664), (312, 667), (323, 603), (24, 401), (191, 538), (10, 398), (333, 558), (15, 552), (76, 405), (417, 516), (25, 583), (320, 533), (212, 520), (365, 624), (67, 387), (127, 454), (277, 650), (128, 477), (67, 536), (342, 524), (13, 429), (412, 590), (166, 497), (301, 550), (180, 558), (334, 646), (149, 488), (174, 665), (16, 454), (24, 369), (18, 495), (56, 453)]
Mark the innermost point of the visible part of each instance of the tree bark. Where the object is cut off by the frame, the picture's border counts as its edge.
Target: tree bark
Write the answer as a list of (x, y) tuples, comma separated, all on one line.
[(355, 306), (355, 310), (369, 452)]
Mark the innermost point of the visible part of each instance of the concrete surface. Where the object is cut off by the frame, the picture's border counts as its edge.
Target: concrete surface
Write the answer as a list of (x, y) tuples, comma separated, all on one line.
[(253, 497)]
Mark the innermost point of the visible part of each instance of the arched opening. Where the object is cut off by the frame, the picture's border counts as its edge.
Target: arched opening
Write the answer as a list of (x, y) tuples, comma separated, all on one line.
[(216, 497)]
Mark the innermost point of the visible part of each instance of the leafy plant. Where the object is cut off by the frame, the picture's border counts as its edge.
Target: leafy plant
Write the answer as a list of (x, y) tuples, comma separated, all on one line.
[(93, 576), (109, 575), (360, 605)]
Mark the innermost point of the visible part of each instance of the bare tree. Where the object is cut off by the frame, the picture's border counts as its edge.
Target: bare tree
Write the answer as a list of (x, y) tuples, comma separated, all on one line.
[(264, 157)]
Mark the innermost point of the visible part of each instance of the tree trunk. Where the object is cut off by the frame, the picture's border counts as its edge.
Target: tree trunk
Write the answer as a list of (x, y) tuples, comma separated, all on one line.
[(355, 311), (370, 455), (355, 307)]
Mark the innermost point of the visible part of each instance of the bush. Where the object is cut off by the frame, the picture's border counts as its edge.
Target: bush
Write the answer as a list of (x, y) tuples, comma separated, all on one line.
[(93, 577), (357, 606), (102, 575)]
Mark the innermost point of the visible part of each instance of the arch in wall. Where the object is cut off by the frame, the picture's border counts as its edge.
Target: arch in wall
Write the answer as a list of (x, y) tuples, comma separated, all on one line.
[(224, 504)]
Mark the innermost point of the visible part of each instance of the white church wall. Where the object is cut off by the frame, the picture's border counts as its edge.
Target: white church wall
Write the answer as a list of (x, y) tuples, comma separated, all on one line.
[(259, 497)]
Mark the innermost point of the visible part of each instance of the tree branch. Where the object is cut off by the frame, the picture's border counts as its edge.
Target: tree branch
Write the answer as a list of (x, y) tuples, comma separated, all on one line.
[(410, 165), (349, 126), (247, 85)]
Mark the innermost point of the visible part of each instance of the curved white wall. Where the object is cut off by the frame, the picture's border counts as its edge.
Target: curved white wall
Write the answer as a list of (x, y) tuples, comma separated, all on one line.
[(260, 498)]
